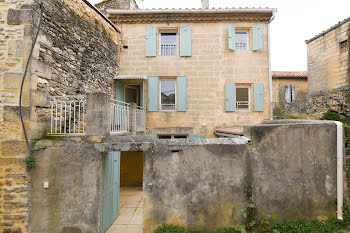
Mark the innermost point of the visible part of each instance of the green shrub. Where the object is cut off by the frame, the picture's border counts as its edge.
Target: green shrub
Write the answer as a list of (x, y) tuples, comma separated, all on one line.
[(332, 116)]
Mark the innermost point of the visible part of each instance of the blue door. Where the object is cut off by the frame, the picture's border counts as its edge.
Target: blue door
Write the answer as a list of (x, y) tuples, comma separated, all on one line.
[(110, 189)]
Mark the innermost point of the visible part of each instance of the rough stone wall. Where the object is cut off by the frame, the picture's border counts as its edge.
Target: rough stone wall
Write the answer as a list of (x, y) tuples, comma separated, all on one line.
[(15, 38), (116, 4), (210, 66), (203, 181), (76, 53), (278, 89), (328, 68)]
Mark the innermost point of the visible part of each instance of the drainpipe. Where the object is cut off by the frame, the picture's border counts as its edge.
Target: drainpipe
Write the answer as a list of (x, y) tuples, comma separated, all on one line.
[(269, 55), (340, 157)]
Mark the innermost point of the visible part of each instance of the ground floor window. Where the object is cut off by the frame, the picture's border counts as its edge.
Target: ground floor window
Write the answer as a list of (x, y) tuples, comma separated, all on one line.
[(171, 136), (167, 94), (243, 98)]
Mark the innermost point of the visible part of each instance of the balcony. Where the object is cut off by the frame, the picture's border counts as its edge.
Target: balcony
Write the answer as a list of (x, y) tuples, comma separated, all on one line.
[(87, 115)]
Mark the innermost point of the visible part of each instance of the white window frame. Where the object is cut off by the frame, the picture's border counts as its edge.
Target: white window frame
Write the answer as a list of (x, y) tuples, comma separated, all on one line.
[(248, 41), (160, 95), (249, 102), (160, 42)]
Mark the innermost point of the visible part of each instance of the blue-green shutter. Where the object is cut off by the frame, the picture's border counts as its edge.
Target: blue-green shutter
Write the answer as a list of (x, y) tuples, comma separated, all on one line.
[(151, 42), (230, 97), (258, 97), (231, 37), (141, 94), (119, 91), (181, 94), (258, 37), (152, 94), (186, 41), (196, 136)]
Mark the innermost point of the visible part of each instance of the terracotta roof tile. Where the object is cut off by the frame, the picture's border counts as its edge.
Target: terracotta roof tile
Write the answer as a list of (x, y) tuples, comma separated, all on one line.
[(289, 74)]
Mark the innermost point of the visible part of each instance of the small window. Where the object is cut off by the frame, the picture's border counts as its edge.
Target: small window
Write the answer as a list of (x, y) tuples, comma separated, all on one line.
[(241, 40), (180, 136), (168, 43), (242, 98), (344, 46), (171, 136), (164, 136), (290, 93), (167, 94)]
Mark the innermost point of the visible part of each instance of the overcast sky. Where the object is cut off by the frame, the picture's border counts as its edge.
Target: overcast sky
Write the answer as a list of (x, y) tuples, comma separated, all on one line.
[(295, 22)]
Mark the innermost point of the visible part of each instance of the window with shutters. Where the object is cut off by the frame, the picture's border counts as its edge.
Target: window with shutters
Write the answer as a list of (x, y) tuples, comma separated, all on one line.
[(242, 97), (242, 40), (168, 43), (290, 93), (167, 94)]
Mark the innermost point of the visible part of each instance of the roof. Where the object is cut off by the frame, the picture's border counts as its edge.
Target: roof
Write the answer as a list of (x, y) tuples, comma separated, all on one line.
[(290, 74), (130, 77), (328, 30), (186, 15)]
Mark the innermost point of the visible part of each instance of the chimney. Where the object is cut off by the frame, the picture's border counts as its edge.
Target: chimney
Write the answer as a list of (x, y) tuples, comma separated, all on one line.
[(205, 4)]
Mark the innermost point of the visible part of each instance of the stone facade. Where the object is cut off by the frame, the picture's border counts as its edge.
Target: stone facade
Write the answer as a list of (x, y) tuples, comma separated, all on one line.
[(328, 60), (211, 65), (116, 4), (76, 44)]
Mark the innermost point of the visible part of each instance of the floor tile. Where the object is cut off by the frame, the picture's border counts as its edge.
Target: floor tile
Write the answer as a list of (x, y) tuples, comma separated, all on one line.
[(131, 204), (117, 229), (137, 218)]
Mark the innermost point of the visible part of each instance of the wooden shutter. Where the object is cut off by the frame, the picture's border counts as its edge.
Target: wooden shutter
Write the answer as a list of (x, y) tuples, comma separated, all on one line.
[(230, 97), (196, 136), (151, 42), (231, 37), (186, 41), (258, 37), (293, 93), (119, 91), (181, 94), (152, 94), (287, 95), (141, 95), (258, 97)]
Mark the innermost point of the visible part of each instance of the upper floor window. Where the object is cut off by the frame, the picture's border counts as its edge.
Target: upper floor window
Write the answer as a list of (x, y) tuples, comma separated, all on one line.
[(168, 43), (243, 98), (242, 40), (167, 94), (344, 46), (289, 93)]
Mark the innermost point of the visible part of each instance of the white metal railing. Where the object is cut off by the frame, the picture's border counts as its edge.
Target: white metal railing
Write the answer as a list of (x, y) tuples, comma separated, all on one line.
[(68, 115), (140, 118), (242, 104), (120, 112), (167, 107), (168, 49), (241, 46)]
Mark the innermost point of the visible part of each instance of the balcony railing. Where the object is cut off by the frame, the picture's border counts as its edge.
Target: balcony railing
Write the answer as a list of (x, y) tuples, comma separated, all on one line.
[(168, 49), (120, 113), (140, 118), (68, 115)]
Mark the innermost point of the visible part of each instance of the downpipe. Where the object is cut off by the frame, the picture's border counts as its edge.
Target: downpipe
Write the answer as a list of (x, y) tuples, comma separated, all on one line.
[(340, 164)]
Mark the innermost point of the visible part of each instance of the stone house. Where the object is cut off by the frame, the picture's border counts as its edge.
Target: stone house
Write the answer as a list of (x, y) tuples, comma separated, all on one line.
[(288, 87), (195, 70)]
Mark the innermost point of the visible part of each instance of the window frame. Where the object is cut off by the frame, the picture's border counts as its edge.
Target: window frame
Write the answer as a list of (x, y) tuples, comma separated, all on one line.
[(172, 136), (249, 98), (169, 30), (247, 32), (160, 94)]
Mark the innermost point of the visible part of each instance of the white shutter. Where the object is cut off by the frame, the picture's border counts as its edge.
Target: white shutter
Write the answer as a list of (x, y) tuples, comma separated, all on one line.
[(287, 94)]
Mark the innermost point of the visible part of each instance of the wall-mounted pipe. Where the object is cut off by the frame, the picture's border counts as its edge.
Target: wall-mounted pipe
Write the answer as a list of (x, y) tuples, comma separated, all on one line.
[(269, 60), (340, 172)]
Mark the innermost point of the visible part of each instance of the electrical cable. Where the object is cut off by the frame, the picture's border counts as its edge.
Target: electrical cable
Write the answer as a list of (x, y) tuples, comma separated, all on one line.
[(24, 76)]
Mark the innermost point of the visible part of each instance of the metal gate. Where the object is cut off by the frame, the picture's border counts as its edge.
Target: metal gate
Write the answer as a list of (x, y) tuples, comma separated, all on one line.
[(110, 189)]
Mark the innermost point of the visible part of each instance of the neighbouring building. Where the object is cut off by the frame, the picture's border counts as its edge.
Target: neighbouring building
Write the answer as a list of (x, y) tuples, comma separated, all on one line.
[(288, 87), (118, 4), (195, 70)]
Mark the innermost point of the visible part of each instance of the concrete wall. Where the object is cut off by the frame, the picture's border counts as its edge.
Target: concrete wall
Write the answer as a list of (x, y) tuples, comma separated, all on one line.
[(287, 167), (278, 89), (210, 66), (328, 68)]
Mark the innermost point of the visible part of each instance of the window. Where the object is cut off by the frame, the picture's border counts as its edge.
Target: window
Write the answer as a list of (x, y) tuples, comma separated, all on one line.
[(168, 43), (290, 93), (167, 94), (172, 136), (241, 40), (243, 98), (344, 46)]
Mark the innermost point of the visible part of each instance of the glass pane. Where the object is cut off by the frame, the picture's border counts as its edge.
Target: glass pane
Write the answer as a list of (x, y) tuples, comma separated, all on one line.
[(241, 40), (242, 94), (168, 94), (168, 44)]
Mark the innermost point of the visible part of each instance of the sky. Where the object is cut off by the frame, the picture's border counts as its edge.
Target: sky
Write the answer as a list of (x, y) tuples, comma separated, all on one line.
[(295, 22)]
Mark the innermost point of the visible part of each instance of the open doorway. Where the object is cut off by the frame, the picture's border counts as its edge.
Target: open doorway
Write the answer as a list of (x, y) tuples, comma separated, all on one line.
[(129, 198)]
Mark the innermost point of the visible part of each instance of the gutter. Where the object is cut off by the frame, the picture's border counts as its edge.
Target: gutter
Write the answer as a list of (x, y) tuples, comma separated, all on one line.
[(269, 55), (165, 11), (340, 172)]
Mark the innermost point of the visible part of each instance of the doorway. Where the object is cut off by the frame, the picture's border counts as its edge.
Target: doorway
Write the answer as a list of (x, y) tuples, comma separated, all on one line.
[(130, 197)]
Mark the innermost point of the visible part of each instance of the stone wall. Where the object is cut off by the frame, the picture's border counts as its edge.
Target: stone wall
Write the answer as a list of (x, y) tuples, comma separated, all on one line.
[(328, 67), (76, 53), (116, 4)]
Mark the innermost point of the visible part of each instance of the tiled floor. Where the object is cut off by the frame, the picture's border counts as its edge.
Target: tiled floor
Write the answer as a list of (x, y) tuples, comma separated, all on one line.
[(130, 212)]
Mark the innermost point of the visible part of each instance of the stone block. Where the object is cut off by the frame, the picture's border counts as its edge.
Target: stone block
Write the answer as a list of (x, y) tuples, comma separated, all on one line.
[(13, 17), (13, 81), (19, 48), (40, 99), (41, 69), (11, 113)]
